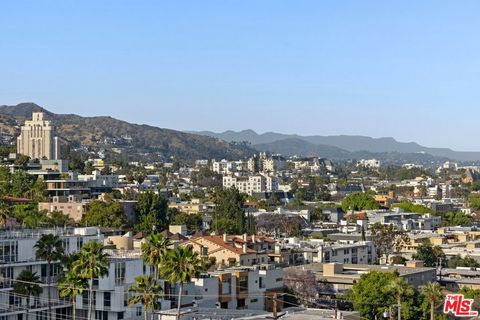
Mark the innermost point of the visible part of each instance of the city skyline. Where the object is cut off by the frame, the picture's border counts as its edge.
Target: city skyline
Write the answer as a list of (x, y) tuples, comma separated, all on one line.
[(406, 71)]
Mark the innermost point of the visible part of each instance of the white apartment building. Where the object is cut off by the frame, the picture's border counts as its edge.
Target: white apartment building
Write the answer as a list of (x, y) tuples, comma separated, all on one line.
[(224, 167), (110, 296), (362, 252), (369, 163), (239, 288), (251, 184), (273, 163), (17, 253)]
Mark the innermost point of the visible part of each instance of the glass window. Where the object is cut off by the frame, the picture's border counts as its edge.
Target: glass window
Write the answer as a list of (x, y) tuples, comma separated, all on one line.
[(119, 273)]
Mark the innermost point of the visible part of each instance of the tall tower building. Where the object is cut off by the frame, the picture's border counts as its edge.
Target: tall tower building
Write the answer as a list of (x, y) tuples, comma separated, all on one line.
[(38, 139)]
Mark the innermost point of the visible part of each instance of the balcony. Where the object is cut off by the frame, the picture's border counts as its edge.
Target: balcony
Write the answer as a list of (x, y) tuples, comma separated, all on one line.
[(37, 306)]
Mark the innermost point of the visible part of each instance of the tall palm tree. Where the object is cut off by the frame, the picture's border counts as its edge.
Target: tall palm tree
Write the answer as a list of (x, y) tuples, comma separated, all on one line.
[(400, 288), (5, 211), (28, 285), (49, 248), (148, 292), (71, 286), (180, 267), (433, 292), (154, 251), (92, 263)]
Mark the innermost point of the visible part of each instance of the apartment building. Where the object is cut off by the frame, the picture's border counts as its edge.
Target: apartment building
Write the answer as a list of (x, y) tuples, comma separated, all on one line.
[(362, 252), (233, 250), (17, 253), (339, 278), (72, 206), (251, 184)]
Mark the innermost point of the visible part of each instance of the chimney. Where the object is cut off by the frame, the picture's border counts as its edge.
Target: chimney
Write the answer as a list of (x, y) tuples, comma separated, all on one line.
[(253, 238), (245, 237), (224, 237), (244, 247)]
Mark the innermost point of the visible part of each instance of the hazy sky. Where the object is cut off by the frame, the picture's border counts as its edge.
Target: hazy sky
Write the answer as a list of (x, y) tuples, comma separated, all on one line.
[(407, 69)]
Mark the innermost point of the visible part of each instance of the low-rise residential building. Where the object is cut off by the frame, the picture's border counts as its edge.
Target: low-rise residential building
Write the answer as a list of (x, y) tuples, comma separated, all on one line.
[(233, 250), (72, 206)]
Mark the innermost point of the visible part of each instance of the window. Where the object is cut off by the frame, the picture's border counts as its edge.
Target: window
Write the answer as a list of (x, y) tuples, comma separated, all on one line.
[(85, 299), (334, 253), (107, 299), (119, 273), (253, 300), (79, 243), (138, 311), (65, 245), (9, 251), (101, 315), (120, 316), (243, 284), (262, 283), (226, 286), (240, 303)]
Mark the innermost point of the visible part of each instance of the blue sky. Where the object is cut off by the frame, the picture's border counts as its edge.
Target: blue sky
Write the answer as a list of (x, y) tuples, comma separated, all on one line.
[(407, 69)]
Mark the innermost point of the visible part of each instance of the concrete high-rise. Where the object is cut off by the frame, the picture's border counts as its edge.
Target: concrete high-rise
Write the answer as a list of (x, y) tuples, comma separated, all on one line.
[(38, 139)]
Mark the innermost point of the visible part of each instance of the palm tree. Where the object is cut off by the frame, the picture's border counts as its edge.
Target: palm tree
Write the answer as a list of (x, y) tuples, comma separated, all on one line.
[(92, 263), (49, 248), (154, 251), (5, 211), (433, 292), (400, 288), (180, 267), (148, 292), (28, 285), (71, 286)]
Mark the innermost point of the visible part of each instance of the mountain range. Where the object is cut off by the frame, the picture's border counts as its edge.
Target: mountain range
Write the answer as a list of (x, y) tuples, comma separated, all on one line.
[(339, 146), (123, 139)]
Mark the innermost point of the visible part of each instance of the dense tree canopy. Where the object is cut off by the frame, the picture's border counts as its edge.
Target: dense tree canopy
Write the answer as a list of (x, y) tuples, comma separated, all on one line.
[(229, 214), (105, 214), (151, 212), (359, 201), (429, 254)]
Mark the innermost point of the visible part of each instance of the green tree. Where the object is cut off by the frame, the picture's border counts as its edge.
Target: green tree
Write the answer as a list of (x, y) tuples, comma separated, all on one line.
[(5, 212), (433, 294), (229, 214), (105, 214), (155, 251), (151, 212), (71, 286), (359, 201), (92, 263), (49, 248), (192, 221), (22, 161), (400, 289), (181, 266), (430, 255), (147, 291), (410, 207), (458, 261), (370, 295), (387, 239), (27, 284), (58, 219), (474, 201), (396, 260)]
